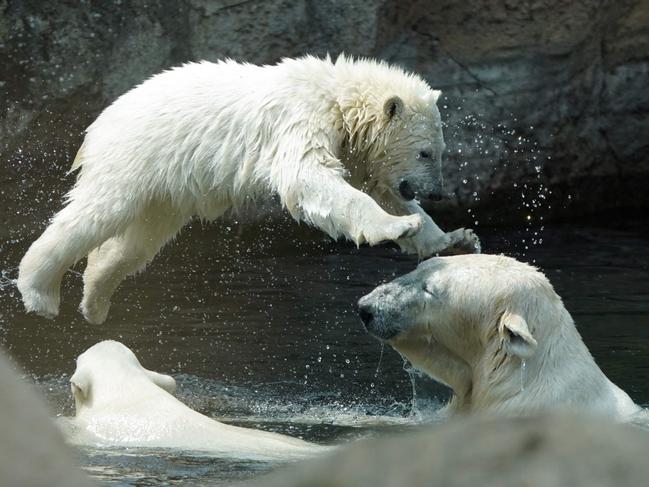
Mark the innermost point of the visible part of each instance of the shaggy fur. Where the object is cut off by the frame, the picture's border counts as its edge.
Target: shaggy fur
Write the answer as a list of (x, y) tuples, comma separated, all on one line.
[(120, 403), (493, 330), (331, 139)]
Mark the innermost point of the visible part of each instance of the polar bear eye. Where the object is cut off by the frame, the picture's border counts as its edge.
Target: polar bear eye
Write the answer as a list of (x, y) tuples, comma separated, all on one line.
[(423, 155), (430, 292)]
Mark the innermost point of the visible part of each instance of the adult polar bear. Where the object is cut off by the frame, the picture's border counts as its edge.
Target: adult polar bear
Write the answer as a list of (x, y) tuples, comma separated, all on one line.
[(493, 330), (120, 403), (331, 139)]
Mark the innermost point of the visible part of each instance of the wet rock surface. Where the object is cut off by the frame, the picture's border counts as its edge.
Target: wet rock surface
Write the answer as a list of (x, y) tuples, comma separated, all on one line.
[(545, 100)]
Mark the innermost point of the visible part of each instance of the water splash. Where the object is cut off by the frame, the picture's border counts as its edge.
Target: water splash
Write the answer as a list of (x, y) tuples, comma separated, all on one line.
[(266, 407), (415, 414), (479, 147), (378, 366), (7, 282)]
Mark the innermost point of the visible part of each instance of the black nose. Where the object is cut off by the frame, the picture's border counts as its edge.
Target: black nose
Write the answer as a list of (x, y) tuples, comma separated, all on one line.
[(366, 316), (406, 191), (436, 196)]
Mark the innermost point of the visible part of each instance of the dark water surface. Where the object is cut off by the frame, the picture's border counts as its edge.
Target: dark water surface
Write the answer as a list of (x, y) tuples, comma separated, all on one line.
[(259, 328)]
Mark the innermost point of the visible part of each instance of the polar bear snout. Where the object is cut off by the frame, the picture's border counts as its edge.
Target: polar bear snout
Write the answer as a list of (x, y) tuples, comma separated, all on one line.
[(408, 193), (405, 190), (366, 316), (376, 327), (378, 320)]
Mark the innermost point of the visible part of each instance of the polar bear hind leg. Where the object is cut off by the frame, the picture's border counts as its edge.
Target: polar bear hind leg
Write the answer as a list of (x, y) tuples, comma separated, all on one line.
[(124, 255), (73, 232)]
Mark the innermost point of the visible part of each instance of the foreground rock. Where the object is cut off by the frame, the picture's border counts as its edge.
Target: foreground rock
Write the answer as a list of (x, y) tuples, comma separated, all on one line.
[(534, 452), (32, 452)]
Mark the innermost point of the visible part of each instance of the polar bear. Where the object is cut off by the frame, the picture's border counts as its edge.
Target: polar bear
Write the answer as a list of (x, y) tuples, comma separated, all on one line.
[(120, 403), (348, 146), (494, 331)]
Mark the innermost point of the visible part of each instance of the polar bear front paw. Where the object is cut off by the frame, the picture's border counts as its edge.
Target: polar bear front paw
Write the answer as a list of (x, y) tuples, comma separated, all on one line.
[(464, 241), (395, 228), (405, 227)]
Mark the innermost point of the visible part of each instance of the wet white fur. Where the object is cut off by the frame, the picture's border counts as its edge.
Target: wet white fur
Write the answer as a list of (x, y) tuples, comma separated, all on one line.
[(207, 138), (120, 403), (494, 330)]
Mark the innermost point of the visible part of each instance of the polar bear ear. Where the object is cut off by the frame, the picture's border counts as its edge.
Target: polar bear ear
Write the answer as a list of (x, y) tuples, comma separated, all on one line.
[(516, 335), (432, 96), (80, 385), (163, 381), (393, 107)]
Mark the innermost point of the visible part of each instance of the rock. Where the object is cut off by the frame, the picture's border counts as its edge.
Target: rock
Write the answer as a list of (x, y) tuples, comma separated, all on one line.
[(507, 452), (32, 451)]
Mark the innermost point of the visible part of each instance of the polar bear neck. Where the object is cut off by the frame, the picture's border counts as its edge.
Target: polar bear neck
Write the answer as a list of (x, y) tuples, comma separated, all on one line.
[(561, 374), (440, 363)]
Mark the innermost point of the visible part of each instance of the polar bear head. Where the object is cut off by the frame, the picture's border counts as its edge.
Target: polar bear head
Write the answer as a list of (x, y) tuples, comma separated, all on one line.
[(471, 321), (108, 372), (394, 141)]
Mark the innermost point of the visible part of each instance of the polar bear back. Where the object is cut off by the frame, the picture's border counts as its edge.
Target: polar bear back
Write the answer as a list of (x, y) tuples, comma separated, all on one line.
[(201, 131), (120, 403)]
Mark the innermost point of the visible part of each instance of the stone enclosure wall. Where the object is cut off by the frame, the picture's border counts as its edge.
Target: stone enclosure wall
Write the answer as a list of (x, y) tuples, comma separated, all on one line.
[(546, 101)]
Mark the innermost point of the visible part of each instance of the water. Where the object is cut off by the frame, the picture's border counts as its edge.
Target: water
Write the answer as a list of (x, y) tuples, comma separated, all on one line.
[(260, 330)]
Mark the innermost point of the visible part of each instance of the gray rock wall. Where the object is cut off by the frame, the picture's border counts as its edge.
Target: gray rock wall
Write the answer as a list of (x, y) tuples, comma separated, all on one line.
[(545, 100)]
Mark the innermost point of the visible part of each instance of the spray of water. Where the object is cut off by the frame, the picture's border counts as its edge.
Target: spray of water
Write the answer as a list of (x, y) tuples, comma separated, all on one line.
[(415, 414), (7, 282), (378, 366), (508, 156)]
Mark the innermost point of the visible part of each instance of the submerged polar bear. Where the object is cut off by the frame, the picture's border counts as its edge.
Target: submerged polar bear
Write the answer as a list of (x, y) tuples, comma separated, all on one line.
[(120, 403), (348, 147), (494, 331)]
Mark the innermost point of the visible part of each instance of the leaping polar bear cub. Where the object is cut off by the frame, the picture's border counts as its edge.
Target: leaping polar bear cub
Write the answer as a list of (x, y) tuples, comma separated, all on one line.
[(347, 146), (494, 331), (120, 403)]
